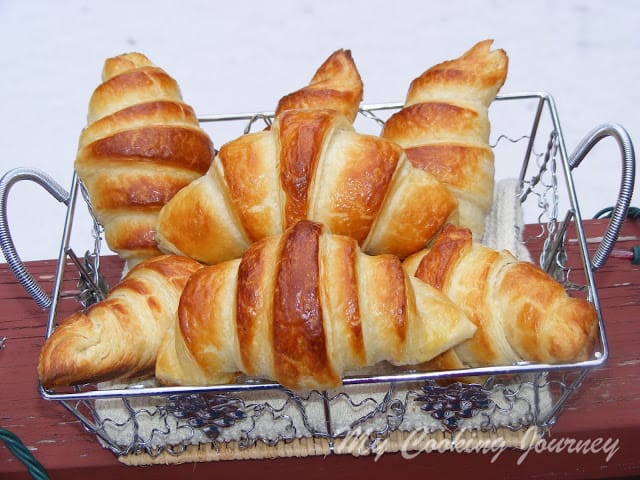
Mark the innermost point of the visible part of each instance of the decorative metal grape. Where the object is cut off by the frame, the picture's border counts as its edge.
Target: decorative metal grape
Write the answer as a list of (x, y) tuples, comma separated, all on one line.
[(453, 403), (210, 413)]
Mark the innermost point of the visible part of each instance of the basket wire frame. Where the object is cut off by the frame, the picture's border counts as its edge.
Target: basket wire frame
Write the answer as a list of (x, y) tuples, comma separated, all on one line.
[(206, 412)]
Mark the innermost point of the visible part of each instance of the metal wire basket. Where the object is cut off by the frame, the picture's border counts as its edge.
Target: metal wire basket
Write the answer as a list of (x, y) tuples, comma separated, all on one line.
[(376, 405)]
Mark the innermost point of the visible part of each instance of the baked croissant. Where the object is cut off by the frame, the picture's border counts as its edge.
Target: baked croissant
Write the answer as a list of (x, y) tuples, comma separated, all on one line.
[(118, 337), (141, 145), (444, 127), (336, 85), (303, 308), (311, 164), (521, 313)]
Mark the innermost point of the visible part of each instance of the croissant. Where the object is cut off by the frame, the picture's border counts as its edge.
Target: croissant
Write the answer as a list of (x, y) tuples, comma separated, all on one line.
[(521, 313), (303, 308), (118, 337), (311, 164), (444, 127), (141, 145), (335, 85)]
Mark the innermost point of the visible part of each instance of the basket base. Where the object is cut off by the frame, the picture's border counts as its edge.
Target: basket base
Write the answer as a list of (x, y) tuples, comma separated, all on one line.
[(408, 444)]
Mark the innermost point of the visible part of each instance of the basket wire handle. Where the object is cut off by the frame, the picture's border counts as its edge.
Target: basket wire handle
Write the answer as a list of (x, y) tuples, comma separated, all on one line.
[(626, 184), (6, 241)]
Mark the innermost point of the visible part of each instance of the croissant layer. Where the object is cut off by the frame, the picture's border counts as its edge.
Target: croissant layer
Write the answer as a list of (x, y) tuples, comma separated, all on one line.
[(310, 165), (118, 337), (336, 85), (444, 127), (522, 313), (303, 308), (142, 144)]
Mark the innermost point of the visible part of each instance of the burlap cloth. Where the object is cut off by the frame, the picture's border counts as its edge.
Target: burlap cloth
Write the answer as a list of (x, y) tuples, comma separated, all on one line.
[(369, 419)]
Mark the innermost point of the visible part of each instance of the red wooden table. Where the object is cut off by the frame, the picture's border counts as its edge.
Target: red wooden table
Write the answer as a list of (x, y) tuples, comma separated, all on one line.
[(606, 407)]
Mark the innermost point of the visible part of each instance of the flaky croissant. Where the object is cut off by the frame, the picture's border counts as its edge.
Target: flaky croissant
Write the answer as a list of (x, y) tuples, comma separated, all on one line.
[(444, 127), (141, 145), (118, 337), (336, 85), (311, 164), (522, 314), (303, 308)]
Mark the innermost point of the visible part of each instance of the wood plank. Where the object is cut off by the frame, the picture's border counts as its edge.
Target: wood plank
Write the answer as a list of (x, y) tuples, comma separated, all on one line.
[(606, 406)]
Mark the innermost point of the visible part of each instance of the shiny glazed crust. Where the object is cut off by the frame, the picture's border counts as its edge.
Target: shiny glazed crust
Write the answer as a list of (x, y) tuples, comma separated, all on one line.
[(444, 127), (303, 308), (522, 314), (312, 165), (142, 144), (336, 85), (119, 336)]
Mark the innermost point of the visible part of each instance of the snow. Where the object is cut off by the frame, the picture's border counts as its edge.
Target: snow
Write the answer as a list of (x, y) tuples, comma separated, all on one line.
[(243, 55)]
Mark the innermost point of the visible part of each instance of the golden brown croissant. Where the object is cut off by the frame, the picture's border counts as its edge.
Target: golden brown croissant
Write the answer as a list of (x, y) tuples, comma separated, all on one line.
[(141, 145), (522, 314), (119, 336), (444, 127), (336, 85), (313, 165), (303, 308)]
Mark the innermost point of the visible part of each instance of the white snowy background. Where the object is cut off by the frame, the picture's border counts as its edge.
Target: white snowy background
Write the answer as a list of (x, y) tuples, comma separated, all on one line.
[(243, 55)]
